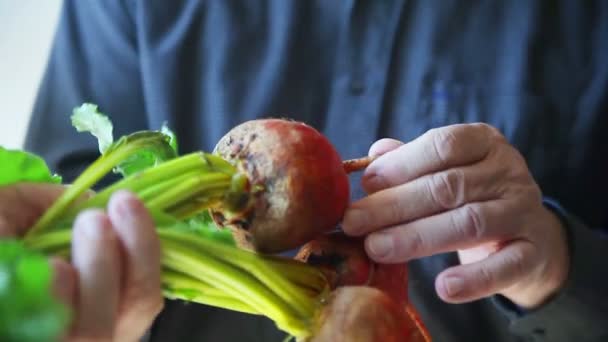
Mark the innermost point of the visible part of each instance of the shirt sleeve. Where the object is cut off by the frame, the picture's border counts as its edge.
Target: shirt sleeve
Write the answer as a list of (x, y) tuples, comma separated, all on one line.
[(93, 59), (579, 311)]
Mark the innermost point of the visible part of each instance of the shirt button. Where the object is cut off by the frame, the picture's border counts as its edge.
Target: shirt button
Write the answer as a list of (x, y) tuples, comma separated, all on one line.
[(539, 333), (357, 87)]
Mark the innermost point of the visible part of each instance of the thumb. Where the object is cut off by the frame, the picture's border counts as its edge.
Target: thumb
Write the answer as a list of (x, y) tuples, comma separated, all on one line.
[(383, 146), (377, 149)]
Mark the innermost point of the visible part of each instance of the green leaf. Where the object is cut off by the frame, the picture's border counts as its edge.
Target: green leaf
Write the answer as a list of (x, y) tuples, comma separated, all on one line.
[(172, 137), (180, 293), (157, 149), (22, 166), (28, 311), (202, 225), (87, 118), (162, 144)]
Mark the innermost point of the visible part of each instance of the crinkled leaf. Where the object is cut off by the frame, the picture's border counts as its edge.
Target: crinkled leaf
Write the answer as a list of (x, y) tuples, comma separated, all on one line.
[(22, 166), (156, 149), (87, 118), (28, 312), (202, 225), (172, 137), (157, 146)]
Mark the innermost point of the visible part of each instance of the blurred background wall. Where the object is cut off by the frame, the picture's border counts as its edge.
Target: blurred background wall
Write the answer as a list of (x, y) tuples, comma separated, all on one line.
[(26, 31)]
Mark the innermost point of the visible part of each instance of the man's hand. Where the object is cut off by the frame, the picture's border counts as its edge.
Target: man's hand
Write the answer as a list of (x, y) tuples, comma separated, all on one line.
[(462, 188), (113, 283)]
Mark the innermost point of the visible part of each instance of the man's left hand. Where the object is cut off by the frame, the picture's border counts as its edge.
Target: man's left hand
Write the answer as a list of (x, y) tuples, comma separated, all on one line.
[(462, 188)]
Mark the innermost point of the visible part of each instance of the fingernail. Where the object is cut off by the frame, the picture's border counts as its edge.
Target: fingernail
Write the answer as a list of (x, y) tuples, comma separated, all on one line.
[(380, 245), (354, 221), (453, 286), (124, 204), (93, 225)]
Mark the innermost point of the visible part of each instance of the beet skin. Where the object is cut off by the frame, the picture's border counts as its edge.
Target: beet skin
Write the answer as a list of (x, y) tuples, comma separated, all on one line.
[(362, 314), (298, 186)]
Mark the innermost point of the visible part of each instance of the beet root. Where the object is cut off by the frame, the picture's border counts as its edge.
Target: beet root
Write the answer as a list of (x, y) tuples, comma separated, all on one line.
[(363, 314), (341, 258), (298, 186), (344, 261)]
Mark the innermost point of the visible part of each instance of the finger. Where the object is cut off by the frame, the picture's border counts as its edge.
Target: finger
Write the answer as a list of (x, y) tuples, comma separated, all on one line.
[(21, 204), (96, 257), (465, 227), (141, 299), (424, 196), (64, 282), (383, 146), (487, 277), (436, 150)]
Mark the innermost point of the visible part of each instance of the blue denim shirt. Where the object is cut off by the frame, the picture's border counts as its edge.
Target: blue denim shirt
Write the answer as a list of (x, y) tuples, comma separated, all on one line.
[(358, 71)]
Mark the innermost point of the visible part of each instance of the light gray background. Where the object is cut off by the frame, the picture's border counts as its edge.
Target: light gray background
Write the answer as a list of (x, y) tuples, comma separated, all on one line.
[(26, 30)]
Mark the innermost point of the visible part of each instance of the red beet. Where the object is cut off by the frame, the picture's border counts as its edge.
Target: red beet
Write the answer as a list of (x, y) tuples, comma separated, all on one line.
[(298, 185), (345, 264), (363, 314), (341, 258)]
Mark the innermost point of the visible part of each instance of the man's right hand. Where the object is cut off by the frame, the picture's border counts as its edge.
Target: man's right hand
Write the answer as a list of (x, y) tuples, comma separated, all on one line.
[(113, 283)]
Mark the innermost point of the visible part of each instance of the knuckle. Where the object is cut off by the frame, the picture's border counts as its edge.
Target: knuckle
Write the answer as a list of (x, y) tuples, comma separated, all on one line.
[(144, 298), (144, 308), (520, 170), (485, 279), (473, 226), (492, 134), (490, 130), (518, 262), (395, 210), (446, 189), (415, 243), (445, 145), (527, 195), (517, 163)]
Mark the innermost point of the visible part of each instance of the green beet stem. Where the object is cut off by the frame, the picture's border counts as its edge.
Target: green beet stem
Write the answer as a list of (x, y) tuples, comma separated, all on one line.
[(269, 273), (234, 281), (187, 209), (151, 182), (224, 276), (181, 286), (190, 187), (195, 267), (97, 170)]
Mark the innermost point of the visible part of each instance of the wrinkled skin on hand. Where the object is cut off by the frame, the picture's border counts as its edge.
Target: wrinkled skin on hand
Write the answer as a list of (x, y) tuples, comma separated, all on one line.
[(465, 189)]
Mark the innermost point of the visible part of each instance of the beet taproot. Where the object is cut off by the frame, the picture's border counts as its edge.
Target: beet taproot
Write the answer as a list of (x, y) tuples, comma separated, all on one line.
[(298, 187)]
